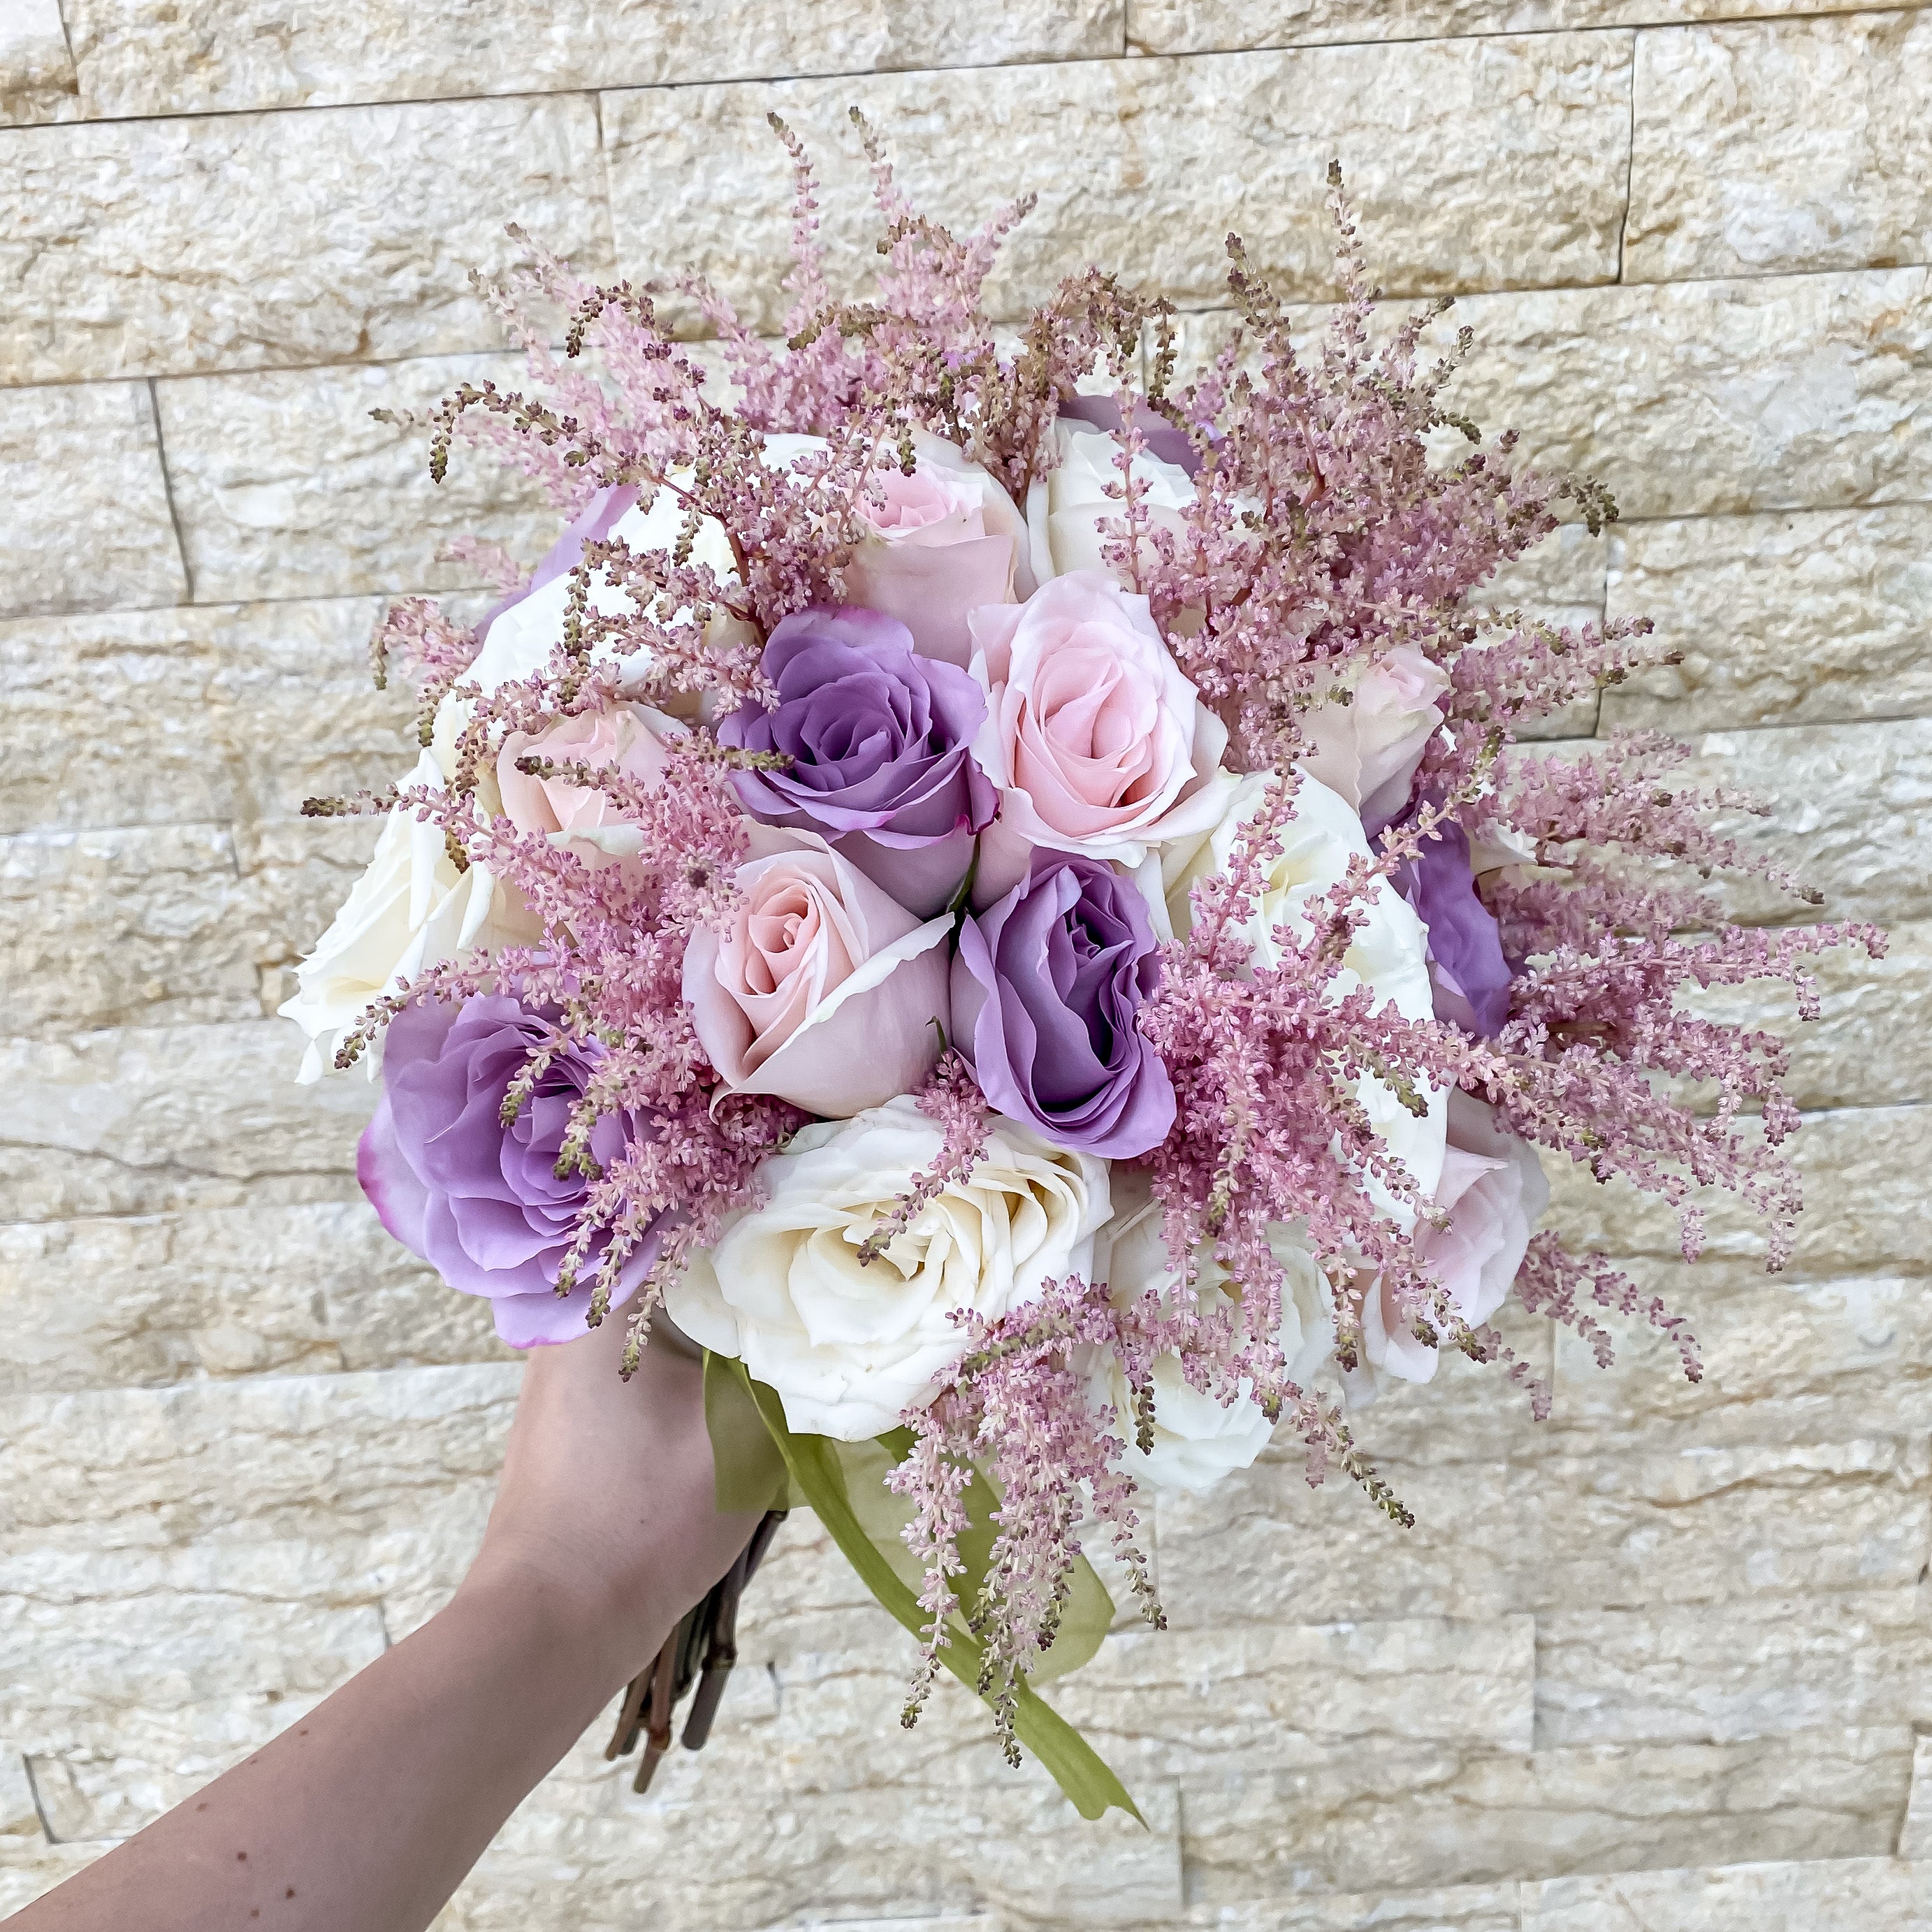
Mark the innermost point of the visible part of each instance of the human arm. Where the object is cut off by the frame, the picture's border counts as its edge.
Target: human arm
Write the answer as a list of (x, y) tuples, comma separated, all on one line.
[(364, 1815)]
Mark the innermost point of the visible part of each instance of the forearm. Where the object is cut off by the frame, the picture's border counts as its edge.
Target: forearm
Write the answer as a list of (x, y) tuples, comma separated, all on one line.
[(364, 1816)]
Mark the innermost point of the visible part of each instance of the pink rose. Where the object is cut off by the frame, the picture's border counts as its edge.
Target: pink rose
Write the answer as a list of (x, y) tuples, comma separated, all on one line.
[(1096, 742), (1368, 749), (939, 542), (822, 990), (627, 738), (1493, 1186)]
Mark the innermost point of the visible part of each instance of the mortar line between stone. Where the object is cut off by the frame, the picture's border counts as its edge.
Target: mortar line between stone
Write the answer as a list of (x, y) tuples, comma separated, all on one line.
[(168, 491), (1629, 164)]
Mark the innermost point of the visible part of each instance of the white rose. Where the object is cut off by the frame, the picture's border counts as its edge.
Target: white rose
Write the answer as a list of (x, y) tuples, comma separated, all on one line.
[(849, 1347), (411, 909), (1389, 953), (521, 637), (1197, 1439), (1066, 507)]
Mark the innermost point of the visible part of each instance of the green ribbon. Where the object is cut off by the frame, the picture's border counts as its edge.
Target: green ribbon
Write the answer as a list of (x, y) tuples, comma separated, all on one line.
[(761, 1465)]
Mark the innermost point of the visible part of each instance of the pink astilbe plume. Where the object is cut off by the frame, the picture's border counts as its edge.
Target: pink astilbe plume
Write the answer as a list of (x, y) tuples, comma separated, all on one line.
[(1327, 529)]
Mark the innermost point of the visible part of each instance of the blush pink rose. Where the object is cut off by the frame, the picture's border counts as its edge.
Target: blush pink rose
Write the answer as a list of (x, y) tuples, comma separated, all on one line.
[(627, 738), (938, 543), (822, 991), (1368, 749), (1097, 743), (1493, 1186)]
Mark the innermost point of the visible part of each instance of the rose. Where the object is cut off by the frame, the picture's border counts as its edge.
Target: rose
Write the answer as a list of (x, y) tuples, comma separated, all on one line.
[(1471, 976), (1045, 986), (1096, 742), (1494, 1188), (878, 738), (483, 1203), (411, 908), (628, 738), (1387, 953), (1067, 507), (938, 543), (1368, 748), (821, 991), (850, 1347), (1197, 1438), (520, 633)]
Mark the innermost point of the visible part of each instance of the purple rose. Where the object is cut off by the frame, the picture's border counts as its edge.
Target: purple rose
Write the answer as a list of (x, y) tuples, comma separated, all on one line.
[(878, 739), (1471, 977), (483, 1204), (1045, 987)]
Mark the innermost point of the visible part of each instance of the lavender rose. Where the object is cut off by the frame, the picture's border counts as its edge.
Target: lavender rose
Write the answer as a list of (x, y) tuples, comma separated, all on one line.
[(1045, 987), (1467, 969), (879, 739), (483, 1204)]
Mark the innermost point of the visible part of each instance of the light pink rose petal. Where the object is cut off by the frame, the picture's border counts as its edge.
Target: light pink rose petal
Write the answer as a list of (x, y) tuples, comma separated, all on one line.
[(933, 592)]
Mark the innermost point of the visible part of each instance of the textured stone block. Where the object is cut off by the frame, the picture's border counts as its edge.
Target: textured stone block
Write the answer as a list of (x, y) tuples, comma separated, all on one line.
[(1475, 164), (1833, 1895), (1763, 148), (1768, 1668), (1915, 1835), (1861, 1169), (226, 55), (1795, 392), (309, 1289), (150, 1120), (1205, 26), (249, 242), (1820, 617), (111, 929), (285, 487), (193, 716), (84, 520), (1848, 812), (1564, 1522), (36, 75)]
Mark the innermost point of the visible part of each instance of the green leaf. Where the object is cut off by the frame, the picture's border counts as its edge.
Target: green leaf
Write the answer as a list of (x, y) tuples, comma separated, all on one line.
[(818, 1468), (751, 1473)]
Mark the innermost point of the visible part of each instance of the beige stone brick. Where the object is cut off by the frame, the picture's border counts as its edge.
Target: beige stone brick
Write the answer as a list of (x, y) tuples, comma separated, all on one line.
[(1915, 1835), (1856, 1894), (193, 716), (36, 74), (265, 241), (147, 1120), (1769, 1667), (225, 55), (1808, 617), (1763, 148), (1860, 1167), (1794, 392), (285, 487), (84, 519), (308, 1288), (1192, 27), (29, 1867), (1476, 163), (1562, 1522)]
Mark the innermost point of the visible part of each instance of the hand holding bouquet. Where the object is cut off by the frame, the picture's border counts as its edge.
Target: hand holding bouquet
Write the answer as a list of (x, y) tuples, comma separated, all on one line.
[(998, 895)]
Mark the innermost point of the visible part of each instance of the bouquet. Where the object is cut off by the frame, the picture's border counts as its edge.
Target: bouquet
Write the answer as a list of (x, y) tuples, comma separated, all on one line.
[(997, 894)]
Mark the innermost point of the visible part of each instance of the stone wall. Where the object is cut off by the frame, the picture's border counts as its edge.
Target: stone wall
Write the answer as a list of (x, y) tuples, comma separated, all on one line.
[(1664, 1662)]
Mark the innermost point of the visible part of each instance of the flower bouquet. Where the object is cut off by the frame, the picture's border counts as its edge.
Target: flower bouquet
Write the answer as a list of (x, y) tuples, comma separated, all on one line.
[(997, 894)]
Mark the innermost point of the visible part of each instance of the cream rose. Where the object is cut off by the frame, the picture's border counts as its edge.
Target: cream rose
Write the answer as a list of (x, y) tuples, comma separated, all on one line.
[(822, 991), (1495, 1190), (1097, 743), (849, 1347), (1197, 1439), (939, 542), (411, 908), (629, 739), (1367, 749), (521, 636), (1066, 507), (1389, 953)]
